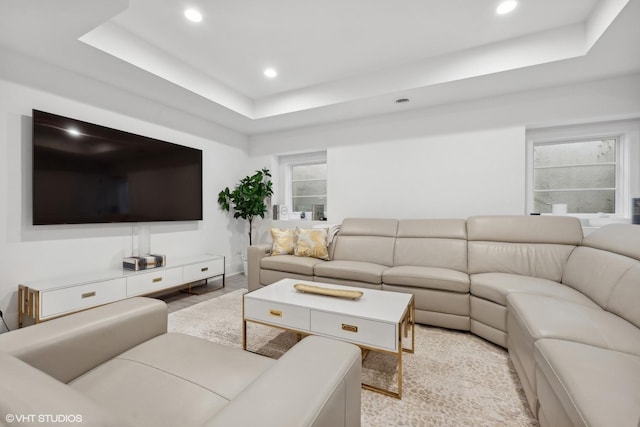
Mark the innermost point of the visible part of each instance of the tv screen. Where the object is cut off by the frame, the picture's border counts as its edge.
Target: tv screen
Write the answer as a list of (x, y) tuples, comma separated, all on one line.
[(86, 173)]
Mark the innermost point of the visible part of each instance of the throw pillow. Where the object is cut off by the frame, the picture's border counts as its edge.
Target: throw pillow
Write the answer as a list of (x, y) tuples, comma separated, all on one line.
[(312, 243), (283, 241)]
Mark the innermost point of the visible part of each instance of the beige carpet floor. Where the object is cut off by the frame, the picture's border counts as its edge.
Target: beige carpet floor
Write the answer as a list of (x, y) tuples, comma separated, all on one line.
[(453, 379)]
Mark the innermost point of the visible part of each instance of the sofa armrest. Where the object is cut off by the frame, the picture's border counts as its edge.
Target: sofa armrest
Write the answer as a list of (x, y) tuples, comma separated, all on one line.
[(316, 383), (254, 254), (28, 397), (69, 346)]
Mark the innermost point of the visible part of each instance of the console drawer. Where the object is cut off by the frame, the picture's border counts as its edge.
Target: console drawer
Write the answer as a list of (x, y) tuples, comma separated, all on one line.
[(203, 270), (287, 316), (153, 281), (66, 300), (379, 335)]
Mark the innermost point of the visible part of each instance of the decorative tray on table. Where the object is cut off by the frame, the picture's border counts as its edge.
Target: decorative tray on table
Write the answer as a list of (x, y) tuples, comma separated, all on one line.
[(319, 290)]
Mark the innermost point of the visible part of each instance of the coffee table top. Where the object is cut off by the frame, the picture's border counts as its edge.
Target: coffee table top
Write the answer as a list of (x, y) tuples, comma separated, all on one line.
[(374, 304)]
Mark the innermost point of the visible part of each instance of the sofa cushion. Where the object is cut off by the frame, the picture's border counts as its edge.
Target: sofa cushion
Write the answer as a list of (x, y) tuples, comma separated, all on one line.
[(432, 243), (167, 372), (617, 238), (381, 227), (536, 246), (607, 268), (26, 390), (549, 317), (290, 264), (562, 230), (545, 261), (427, 277), (351, 270), (437, 307), (595, 273), (533, 317), (434, 228), (593, 386), (366, 240), (497, 286), (625, 296)]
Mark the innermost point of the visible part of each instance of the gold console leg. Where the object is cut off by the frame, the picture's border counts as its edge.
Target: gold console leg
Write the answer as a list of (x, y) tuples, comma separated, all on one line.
[(244, 328)]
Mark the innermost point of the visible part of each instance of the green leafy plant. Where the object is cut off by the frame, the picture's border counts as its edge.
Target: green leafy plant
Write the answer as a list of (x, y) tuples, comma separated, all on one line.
[(248, 198)]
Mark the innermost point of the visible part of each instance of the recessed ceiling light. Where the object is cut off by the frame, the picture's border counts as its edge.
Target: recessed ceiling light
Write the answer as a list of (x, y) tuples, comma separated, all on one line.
[(271, 73), (193, 15), (506, 7), (73, 131)]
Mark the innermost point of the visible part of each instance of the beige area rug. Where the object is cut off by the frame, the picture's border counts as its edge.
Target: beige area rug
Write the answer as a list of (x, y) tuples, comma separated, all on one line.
[(453, 379)]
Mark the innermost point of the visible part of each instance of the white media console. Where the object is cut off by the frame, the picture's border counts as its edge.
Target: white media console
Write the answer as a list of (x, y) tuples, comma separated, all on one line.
[(45, 300)]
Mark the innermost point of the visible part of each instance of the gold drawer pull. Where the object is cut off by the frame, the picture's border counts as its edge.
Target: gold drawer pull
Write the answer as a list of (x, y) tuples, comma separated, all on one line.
[(349, 328), (157, 279), (204, 269), (89, 294), (276, 313)]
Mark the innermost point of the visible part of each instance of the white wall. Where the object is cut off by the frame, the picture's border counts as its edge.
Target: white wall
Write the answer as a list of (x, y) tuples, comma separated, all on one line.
[(455, 175), (454, 160), (31, 253)]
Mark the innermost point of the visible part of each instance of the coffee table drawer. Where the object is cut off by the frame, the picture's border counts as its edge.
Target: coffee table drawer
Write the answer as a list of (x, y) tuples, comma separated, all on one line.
[(277, 314), (356, 330)]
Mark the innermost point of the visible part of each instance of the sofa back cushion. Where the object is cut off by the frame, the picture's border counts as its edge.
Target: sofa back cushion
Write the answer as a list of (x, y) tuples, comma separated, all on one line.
[(625, 296), (440, 243), (606, 268), (536, 246), (366, 240)]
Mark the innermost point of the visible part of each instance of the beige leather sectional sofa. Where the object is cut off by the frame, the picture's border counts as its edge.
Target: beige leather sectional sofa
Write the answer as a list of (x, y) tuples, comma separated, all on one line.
[(567, 307), (115, 365)]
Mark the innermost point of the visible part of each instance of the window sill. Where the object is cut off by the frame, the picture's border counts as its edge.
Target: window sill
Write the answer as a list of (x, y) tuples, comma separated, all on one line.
[(292, 223), (602, 221)]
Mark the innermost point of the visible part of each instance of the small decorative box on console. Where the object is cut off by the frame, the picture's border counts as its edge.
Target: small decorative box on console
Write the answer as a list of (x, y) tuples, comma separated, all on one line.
[(144, 262)]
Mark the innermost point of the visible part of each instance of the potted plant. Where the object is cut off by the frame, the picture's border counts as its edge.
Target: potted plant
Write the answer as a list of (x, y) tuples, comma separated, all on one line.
[(248, 199)]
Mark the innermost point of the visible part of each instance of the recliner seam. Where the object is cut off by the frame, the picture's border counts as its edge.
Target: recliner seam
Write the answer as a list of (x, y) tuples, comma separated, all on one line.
[(172, 374)]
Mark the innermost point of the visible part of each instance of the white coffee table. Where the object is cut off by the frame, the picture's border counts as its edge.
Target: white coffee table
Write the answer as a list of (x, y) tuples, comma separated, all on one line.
[(377, 321)]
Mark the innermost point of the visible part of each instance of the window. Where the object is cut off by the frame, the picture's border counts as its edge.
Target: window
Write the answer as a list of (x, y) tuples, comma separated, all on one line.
[(581, 174), (308, 186), (592, 168), (303, 179)]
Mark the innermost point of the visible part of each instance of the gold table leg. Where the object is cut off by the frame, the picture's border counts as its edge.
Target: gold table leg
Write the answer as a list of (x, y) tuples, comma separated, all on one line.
[(403, 327)]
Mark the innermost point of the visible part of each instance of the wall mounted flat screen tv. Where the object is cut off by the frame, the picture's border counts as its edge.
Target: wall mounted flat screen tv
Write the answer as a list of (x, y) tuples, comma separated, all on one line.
[(85, 173)]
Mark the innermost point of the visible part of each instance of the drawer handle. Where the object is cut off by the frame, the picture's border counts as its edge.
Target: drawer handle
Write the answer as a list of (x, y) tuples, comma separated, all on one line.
[(89, 294), (349, 328), (276, 313), (204, 269), (157, 279)]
